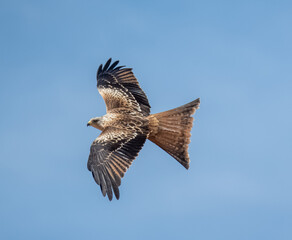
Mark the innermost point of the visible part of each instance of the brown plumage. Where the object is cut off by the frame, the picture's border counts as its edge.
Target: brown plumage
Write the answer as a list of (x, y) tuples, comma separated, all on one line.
[(128, 123)]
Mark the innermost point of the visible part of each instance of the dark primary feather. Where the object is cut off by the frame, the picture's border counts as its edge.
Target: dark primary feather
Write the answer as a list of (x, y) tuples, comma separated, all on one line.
[(107, 64), (122, 80), (110, 157), (113, 65)]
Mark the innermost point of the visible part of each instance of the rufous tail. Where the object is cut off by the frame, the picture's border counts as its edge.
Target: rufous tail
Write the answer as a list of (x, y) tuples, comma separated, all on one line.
[(171, 130)]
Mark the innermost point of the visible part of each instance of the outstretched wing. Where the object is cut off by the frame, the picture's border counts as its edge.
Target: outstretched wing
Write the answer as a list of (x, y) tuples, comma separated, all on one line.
[(111, 154), (119, 88)]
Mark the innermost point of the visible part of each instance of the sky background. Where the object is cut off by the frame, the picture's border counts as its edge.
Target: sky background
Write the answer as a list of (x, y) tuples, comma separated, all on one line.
[(234, 55)]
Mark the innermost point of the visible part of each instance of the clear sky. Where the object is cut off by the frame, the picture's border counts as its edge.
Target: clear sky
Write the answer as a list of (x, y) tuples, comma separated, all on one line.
[(234, 55)]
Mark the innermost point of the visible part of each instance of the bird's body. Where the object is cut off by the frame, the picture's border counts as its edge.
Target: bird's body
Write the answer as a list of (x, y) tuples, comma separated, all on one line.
[(128, 123), (123, 118)]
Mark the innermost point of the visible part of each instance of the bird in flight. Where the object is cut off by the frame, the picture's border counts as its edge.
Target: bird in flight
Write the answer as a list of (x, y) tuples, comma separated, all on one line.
[(128, 123)]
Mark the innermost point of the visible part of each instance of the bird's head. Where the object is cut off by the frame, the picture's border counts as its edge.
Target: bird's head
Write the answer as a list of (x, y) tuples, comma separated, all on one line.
[(95, 122)]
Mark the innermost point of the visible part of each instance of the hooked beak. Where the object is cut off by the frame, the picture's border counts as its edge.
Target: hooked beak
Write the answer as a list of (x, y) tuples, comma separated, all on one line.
[(88, 124)]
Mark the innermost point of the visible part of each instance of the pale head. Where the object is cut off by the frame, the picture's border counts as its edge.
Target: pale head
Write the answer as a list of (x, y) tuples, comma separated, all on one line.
[(96, 123)]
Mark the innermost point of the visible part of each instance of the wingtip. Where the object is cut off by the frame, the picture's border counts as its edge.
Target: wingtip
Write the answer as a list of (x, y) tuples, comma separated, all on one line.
[(112, 67), (110, 197), (108, 67), (186, 165), (107, 64), (102, 191), (117, 195)]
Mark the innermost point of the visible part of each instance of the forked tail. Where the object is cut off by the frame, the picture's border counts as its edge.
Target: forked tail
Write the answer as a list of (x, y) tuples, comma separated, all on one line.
[(171, 130)]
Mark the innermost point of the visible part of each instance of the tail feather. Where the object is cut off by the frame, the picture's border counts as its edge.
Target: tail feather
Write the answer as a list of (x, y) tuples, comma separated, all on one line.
[(171, 130)]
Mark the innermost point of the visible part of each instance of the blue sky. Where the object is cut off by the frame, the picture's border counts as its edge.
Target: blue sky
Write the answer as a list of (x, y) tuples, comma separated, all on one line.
[(234, 55)]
